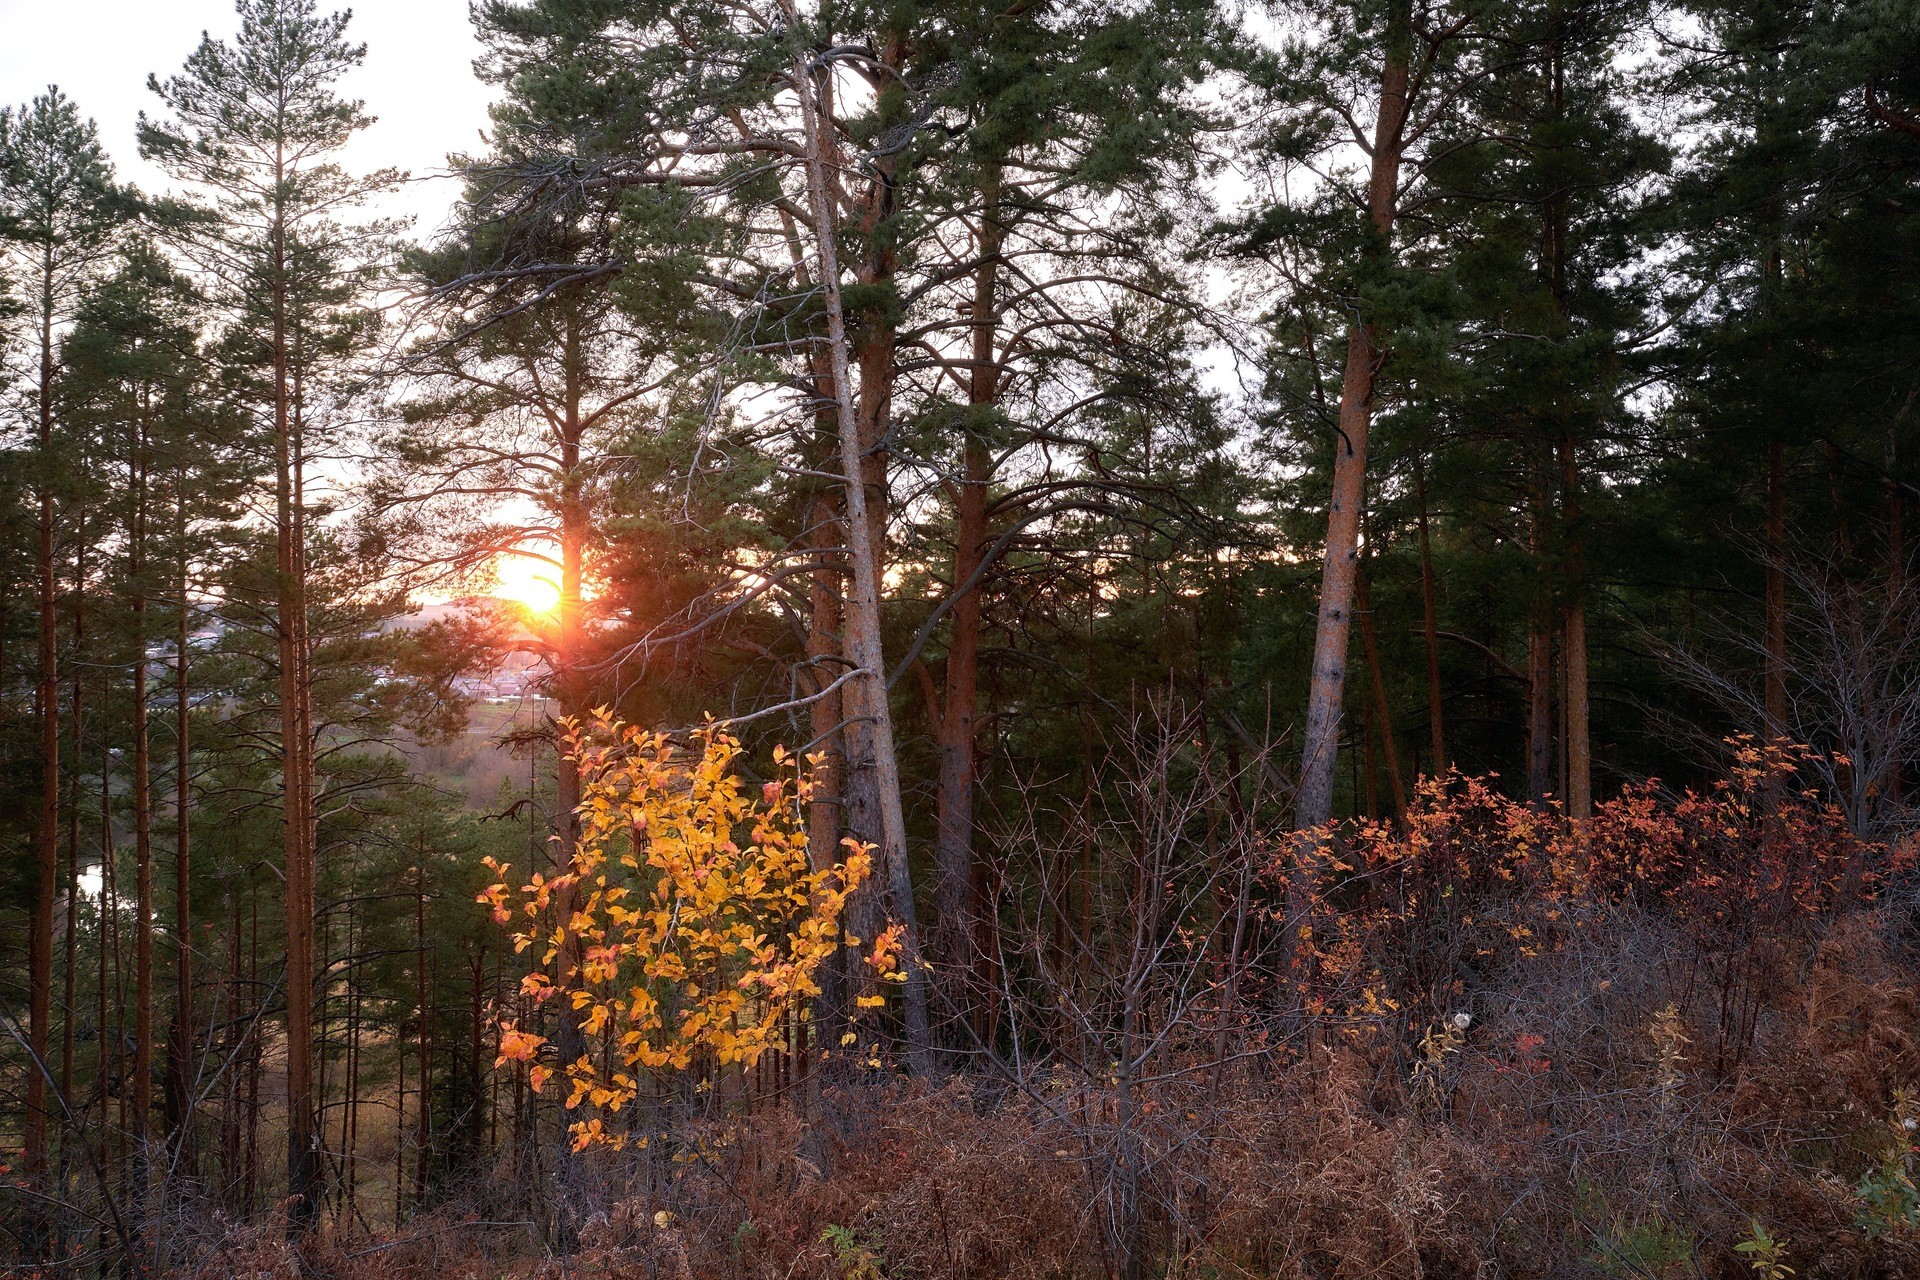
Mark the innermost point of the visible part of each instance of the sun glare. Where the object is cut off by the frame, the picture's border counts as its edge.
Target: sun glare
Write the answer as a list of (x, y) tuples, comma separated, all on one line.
[(528, 583)]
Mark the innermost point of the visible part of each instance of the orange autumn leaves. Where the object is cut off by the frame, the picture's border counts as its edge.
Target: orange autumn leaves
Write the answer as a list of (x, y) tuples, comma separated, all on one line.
[(1475, 879), (694, 925)]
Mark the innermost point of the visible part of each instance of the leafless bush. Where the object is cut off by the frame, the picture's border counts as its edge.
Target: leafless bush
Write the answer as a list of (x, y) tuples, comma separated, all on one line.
[(1852, 681), (1125, 962)]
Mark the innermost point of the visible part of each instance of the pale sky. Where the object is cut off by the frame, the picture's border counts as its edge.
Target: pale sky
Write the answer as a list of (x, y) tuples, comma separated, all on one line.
[(417, 78)]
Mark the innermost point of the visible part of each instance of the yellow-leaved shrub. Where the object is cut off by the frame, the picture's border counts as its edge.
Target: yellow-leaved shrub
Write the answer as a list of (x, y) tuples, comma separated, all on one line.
[(695, 922)]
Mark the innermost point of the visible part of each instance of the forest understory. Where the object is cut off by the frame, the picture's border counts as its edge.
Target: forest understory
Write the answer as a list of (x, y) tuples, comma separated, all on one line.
[(963, 640), (1552, 1145)]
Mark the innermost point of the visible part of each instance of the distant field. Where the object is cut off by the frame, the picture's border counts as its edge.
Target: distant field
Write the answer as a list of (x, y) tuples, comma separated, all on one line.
[(486, 754)]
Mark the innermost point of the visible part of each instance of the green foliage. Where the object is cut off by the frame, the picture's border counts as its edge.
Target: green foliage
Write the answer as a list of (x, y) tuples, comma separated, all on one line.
[(1765, 1253), (1652, 1247), (853, 1259)]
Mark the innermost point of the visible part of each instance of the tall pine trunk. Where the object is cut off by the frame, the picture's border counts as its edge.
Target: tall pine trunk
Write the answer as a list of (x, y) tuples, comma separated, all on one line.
[(47, 834), (1574, 641), (303, 1165), (181, 1038), (570, 680), (142, 847), (1430, 623), (423, 1047), (1578, 748), (954, 904), (870, 736), (824, 815), (1382, 711), (1775, 620), (1321, 744), (1539, 638)]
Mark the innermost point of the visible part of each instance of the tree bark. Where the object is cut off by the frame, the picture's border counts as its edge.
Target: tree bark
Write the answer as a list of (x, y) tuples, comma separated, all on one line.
[(1430, 620), (183, 1029), (570, 682), (142, 849), (71, 941), (47, 834), (825, 815), (1577, 786), (1574, 641), (1321, 744), (1382, 713), (955, 908), (1775, 619), (1539, 647), (296, 756), (423, 1139), (873, 727)]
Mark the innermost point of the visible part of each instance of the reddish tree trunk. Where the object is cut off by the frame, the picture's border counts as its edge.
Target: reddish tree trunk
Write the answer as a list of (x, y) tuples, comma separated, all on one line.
[(1382, 714), (142, 849), (71, 946), (571, 688), (825, 815), (1430, 620), (423, 1140), (182, 1036), (303, 1168), (47, 833), (1775, 621), (1539, 649), (1579, 746), (954, 896)]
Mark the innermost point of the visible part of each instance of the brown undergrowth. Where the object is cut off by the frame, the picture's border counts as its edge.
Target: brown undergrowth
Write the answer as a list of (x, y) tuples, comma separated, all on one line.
[(1676, 1040), (1587, 1122)]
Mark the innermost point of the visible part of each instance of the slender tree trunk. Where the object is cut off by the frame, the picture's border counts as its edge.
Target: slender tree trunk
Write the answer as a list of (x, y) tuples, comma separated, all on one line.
[(106, 1041), (303, 1170), (33, 1158), (570, 685), (350, 1122), (234, 1093), (824, 816), (249, 1191), (1321, 744), (1577, 750), (955, 908), (861, 621), (1574, 641), (1539, 646), (1775, 692), (142, 854), (400, 1123), (1896, 523), (423, 1137), (475, 1136), (1896, 787), (117, 961), (1382, 713), (183, 1028), (1430, 621), (71, 946), (1366, 765)]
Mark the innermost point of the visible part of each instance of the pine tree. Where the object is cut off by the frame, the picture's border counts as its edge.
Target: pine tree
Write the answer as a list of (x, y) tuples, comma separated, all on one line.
[(253, 127), (1544, 181), (60, 208), (1418, 57), (134, 383)]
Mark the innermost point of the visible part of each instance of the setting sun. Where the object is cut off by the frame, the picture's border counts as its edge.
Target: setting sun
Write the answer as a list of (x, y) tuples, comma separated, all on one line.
[(528, 583)]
